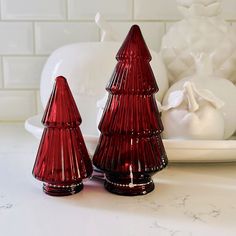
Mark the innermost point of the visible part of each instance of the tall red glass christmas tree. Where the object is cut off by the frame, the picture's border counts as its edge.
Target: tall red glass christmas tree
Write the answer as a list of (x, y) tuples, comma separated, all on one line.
[(130, 148), (62, 160)]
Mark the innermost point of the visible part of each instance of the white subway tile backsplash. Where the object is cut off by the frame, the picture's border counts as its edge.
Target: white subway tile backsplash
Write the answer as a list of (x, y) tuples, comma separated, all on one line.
[(152, 32), (112, 9), (156, 10), (17, 105), (50, 36), (33, 9), (32, 29), (22, 72), (16, 38)]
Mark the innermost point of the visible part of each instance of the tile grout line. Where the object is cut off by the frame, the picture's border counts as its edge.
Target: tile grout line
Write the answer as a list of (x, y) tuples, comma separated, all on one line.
[(1, 9), (2, 74), (132, 10), (18, 89), (34, 39), (24, 55), (67, 10), (87, 20)]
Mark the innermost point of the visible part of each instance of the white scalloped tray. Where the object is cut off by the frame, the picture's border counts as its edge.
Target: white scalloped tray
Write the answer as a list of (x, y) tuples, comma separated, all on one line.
[(177, 150)]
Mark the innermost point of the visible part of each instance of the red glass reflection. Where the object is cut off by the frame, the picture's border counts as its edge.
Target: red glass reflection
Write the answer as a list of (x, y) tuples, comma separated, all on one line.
[(62, 160), (130, 147)]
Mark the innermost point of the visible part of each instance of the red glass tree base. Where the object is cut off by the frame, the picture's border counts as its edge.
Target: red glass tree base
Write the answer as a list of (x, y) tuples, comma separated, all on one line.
[(62, 190), (127, 185)]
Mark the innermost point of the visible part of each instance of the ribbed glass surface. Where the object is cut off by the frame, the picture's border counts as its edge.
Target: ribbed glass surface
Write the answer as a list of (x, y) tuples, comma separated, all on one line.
[(130, 143), (62, 157)]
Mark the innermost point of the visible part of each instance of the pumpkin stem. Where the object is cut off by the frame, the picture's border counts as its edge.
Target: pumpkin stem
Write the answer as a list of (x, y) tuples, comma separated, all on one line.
[(106, 29), (192, 102)]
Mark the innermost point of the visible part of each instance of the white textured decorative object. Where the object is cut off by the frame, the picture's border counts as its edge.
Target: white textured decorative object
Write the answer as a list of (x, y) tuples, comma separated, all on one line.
[(88, 67), (202, 30), (192, 114), (211, 89)]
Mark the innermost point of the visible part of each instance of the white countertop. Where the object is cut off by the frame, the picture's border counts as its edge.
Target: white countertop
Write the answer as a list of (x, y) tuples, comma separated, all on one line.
[(188, 200)]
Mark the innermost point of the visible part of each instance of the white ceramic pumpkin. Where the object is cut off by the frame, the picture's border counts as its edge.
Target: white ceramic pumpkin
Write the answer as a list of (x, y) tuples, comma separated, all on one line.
[(193, 114), (223, 89), (88, 67)]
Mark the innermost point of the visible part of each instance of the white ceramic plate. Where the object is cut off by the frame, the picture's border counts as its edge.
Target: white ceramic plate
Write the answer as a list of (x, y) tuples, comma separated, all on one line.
[(177, 150)]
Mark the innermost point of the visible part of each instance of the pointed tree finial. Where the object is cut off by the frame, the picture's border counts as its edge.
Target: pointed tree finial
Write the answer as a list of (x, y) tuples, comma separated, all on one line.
[(134, 46), (61, 108), (133, 60)]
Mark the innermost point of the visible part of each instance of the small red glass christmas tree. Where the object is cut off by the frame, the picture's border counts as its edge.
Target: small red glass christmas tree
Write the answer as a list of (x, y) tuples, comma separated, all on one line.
[(62, 160), (130, 148)]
